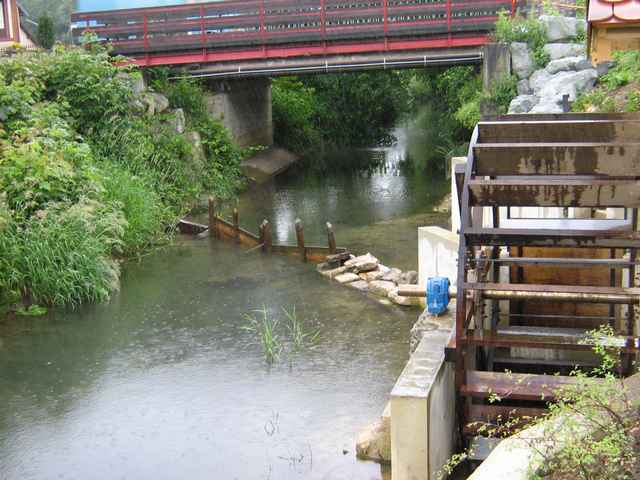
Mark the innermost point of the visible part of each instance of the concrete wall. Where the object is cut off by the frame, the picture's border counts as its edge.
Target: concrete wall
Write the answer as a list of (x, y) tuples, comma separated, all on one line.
[(423, 406), (437, 254), (244, 107)]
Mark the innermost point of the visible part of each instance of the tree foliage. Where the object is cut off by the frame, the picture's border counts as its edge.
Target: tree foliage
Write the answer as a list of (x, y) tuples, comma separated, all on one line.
[(45, 35)]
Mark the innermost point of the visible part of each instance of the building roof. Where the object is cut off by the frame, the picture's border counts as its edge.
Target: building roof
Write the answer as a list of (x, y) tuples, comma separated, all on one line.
[(614, 11)]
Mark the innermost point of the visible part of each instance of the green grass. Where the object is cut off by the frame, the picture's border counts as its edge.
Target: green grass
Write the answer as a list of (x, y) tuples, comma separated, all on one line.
[(299, 333), (264, 327)]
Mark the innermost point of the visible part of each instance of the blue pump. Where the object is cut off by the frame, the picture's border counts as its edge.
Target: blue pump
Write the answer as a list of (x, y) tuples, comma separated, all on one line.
[(437, 295)]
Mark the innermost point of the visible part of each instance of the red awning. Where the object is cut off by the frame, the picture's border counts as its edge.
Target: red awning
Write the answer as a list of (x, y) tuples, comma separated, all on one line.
[(614, 11)]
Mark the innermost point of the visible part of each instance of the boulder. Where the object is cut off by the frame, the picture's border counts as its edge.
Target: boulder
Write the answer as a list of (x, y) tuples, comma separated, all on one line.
[(371, 276), (178, 121), (523, 103), (338, 259), (346, 278), (604, 67), (539, 79), (383, 268), (568, 83), (562, 28), (381, 288), (393, 276), (403, 301), (334, 272), (374, 442), (359, 285), (562, 50), (548, 106), (521, 61), (568, 64), (161, 102), (523, 87), (410, 277), (135, 81)]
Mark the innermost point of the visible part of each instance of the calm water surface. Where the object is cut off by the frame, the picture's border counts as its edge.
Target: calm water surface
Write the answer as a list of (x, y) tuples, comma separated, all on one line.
[(163, 382)]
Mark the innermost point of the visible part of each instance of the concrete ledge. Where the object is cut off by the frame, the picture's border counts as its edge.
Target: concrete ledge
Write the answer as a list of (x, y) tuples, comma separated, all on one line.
[(268, 163)]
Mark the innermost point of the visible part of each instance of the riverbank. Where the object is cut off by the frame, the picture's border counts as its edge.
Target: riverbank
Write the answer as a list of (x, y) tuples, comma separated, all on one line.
[(95, 167)]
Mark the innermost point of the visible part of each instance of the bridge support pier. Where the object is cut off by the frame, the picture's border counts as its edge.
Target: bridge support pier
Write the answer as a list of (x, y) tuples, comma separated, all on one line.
[(496, 65), (244, 108)]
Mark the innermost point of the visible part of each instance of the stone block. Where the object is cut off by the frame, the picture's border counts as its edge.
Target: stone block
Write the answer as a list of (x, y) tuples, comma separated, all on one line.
[(374, 442), (381, 288), (334, 272), (347, 278), (403, 301), (523, 87), (359, 285), (371, 276)]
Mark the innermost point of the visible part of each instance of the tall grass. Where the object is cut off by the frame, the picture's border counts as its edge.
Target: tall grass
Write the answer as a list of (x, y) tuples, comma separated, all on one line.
[(63, 258), (264, 327), (299, 334)]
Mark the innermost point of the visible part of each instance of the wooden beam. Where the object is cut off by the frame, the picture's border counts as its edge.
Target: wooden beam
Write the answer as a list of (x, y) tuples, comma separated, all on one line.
[(555, 193), (560, 132), (604, 159)]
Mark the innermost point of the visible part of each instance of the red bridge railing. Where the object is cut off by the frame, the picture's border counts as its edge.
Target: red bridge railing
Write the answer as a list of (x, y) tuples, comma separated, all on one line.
[(237, 25)]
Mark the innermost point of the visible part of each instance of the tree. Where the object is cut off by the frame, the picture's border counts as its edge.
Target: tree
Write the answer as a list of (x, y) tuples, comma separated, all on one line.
[(46, 35)]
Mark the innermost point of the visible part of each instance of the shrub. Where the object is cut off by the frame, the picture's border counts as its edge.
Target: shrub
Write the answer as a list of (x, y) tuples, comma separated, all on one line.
[(45, 34), (528, 30), (295, 115), (44, 163)]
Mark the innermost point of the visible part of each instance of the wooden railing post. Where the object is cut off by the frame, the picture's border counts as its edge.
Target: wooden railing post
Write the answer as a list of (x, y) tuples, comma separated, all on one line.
[(267, 240), (145, 21), (514, 6), (332, 239), (300, 239), (203, 33), (449, 19), (385, 13), (213, 220), (236, 225)]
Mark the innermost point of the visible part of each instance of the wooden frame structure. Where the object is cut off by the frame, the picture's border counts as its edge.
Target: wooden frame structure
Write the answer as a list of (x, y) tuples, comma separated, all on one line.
[(530, 288)]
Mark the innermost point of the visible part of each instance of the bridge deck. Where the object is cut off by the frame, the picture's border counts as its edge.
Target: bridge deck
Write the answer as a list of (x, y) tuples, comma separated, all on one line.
[(234, 30)]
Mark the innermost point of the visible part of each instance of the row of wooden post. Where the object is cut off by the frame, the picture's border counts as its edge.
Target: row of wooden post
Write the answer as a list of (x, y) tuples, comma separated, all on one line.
[(265, 235)]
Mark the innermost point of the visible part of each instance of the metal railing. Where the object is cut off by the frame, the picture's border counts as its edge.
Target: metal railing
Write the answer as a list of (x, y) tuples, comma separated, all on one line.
[(250, 24)]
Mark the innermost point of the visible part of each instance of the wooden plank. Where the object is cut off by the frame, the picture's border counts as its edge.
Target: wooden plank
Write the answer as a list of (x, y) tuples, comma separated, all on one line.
[(515, 386), (608, 159), (559, 117), (487, 338), (555, 193), (562, 131), (552, 238)]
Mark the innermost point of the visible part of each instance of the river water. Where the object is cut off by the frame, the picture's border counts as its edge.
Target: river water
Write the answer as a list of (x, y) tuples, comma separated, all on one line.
[(164, 383)]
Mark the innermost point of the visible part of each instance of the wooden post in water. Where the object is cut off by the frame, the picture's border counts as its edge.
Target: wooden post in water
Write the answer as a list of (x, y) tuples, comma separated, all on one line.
[(300, 238), (213, 221), (267, 240), (236, 225), (332, 239)]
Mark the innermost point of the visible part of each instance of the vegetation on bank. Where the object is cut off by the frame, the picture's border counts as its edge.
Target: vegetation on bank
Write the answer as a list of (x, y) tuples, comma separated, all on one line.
[(87, 178), (618, 90)]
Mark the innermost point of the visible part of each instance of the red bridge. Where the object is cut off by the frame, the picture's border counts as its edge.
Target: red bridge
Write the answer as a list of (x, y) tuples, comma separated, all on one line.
[(267, 37)]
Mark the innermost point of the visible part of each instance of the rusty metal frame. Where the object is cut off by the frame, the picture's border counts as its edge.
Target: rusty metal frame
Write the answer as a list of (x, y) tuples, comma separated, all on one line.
[(523, 169)]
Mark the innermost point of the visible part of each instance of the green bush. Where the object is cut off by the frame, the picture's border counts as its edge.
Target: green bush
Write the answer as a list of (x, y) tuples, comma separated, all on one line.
[(295, 115), (46, 34), (528, 30)]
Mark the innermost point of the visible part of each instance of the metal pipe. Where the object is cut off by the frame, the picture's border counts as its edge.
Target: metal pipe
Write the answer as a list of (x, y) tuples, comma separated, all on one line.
[(325, 67), (579, 297)]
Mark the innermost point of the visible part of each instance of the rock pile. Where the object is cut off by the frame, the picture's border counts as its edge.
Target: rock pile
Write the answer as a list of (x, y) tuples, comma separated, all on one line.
[(568, 72), (367, 274)]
